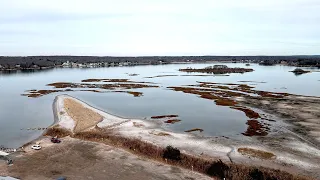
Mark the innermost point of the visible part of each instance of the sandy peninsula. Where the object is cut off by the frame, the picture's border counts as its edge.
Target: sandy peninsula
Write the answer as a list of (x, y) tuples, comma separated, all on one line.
[(96, 144)]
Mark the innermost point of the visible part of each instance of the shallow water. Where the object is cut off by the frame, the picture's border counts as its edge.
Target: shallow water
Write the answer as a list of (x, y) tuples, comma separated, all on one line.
[(17, 113)]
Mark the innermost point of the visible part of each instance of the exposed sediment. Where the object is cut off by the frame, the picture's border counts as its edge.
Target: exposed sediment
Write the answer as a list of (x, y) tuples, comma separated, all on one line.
[(84, 118)]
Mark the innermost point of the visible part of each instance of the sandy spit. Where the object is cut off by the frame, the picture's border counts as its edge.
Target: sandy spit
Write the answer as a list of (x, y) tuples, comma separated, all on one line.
[(208, 147)]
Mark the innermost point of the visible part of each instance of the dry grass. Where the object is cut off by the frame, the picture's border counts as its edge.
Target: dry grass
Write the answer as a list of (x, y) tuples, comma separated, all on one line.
[(138, 125), (84, 117), (56, 131), (160, 134), (256, 153)]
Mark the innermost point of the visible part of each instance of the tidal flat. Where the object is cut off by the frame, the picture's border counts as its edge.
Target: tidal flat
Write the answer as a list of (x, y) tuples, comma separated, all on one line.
[(236, 118)]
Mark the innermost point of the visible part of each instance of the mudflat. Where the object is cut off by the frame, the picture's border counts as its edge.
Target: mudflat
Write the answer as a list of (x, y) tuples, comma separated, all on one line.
[(100, 131)]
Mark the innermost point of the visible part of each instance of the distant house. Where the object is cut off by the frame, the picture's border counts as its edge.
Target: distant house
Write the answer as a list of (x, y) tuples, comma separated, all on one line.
[(35, 66), (3, 154), (220, 67), (217, 67), (8, 178), (66, 64), (74, 64)]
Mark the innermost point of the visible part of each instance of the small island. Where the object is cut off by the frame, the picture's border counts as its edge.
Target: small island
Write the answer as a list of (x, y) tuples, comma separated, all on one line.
[(217, 69), (299, 71)]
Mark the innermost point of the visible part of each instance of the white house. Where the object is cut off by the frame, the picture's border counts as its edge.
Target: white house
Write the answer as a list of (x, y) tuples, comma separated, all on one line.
[(2, 153)]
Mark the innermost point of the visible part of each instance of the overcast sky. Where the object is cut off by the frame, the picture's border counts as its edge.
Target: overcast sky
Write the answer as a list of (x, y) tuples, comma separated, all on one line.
[(159, 27)]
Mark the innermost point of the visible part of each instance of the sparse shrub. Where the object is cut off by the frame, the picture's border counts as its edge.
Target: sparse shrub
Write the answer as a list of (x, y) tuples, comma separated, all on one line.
[(172, 153), (256, 174), (218, 169), (55, 131)]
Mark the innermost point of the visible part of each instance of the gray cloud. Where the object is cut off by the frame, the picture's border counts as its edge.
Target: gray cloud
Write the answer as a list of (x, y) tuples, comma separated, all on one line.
[(161, 27)]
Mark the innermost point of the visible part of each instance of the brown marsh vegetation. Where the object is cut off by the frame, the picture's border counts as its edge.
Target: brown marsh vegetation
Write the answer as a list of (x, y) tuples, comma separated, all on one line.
[(105, 80), (195, 129), (175, 75), (224, 94), (172, 121), (255, 128), (256, 153), (249, 113), (39, 93), (164, 116), (109, 86), (161, 76), (114, 85)]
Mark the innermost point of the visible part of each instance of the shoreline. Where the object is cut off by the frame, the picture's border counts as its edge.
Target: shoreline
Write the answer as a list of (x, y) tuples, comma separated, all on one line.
[(204, 147), (225, 149), (151, 64)]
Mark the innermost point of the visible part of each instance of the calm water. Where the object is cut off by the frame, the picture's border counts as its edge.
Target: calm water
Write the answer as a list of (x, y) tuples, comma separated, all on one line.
[(18, 113)]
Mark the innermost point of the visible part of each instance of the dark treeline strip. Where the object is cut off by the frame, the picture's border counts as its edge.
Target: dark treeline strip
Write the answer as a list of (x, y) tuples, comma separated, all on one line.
[(52, 61)]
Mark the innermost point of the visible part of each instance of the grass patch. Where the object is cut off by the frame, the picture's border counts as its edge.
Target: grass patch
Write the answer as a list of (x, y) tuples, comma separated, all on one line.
[(135, 124), (256, 153)]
